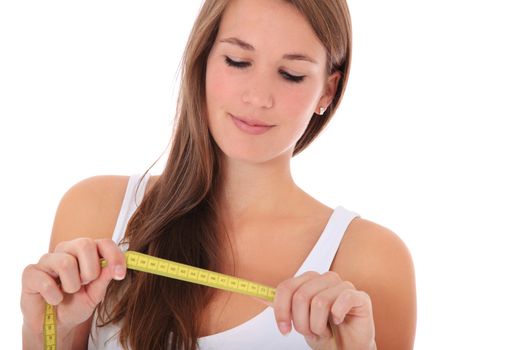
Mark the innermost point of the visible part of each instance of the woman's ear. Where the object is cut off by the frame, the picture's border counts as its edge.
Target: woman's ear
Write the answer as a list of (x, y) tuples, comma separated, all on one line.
[(332, 82)]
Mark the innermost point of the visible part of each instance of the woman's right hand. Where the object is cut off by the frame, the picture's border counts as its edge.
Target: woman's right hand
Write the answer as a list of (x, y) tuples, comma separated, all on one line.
[(71, 278)]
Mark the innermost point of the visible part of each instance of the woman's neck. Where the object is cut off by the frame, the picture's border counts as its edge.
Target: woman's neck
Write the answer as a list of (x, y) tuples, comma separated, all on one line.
[(257, 190)]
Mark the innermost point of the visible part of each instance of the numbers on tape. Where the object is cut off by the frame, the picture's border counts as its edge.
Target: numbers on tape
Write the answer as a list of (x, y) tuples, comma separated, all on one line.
[(50, 332), (162, 267)]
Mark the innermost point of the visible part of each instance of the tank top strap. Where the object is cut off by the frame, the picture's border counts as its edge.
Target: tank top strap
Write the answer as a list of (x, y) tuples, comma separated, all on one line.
[(321, 256), (132, 198)]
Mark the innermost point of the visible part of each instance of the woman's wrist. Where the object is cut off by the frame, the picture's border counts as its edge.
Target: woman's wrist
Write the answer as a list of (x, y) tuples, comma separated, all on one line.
[(34, 339)]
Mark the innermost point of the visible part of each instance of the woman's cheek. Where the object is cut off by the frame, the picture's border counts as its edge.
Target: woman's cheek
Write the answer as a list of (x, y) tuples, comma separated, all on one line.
[(216, 84), (299, 102)]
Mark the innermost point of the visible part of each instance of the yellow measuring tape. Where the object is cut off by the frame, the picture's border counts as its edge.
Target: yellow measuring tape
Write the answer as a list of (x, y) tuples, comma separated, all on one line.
[(162, 267)]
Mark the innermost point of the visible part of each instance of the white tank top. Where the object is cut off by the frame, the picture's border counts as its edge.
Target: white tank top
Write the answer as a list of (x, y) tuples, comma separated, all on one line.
[(258, 333)]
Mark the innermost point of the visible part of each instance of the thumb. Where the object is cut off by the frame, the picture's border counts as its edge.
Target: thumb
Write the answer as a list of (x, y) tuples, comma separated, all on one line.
[(327, 341), (96, 290)]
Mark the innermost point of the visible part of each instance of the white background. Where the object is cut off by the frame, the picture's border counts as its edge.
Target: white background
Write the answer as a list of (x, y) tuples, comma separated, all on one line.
[(428, 141)]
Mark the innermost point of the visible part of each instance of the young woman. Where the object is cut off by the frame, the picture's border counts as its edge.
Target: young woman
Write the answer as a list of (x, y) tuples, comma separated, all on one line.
[(260, 80)]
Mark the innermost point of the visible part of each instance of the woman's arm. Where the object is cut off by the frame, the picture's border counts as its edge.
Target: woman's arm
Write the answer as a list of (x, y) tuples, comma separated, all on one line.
[(378, 262), (88, 209)]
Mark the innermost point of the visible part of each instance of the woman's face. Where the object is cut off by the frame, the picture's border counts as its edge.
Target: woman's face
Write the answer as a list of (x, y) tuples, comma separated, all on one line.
[(266, 66)]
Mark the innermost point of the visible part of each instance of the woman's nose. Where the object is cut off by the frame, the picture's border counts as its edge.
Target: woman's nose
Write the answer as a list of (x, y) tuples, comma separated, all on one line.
[(259, 92)]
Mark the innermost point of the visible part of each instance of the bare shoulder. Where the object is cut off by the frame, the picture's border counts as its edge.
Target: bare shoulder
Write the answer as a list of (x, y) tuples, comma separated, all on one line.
[(377, 261), (367, 245), (89, 209)]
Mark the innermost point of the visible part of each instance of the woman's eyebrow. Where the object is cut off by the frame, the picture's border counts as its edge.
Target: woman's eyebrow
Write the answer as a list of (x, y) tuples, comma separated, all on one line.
[(289, 56)]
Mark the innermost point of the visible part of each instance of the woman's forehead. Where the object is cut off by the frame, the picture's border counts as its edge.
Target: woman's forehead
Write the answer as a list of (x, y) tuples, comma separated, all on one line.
[(270, 25)]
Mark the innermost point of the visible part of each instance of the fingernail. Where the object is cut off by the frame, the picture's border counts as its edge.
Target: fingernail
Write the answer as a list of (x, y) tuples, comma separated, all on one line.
[(120, 273), (284, 328), (337, 321)]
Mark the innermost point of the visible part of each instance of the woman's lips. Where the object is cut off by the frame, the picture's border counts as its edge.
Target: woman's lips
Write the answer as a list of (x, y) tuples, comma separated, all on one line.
[(250, 127)]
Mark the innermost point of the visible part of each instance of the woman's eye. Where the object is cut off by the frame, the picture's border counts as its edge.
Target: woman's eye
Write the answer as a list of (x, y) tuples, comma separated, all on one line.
[(236, 64), (241, 65), (292, 78)]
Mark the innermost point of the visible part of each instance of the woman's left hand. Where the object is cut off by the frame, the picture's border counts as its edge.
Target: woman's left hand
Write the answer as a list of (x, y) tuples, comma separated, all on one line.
[(330, 313)]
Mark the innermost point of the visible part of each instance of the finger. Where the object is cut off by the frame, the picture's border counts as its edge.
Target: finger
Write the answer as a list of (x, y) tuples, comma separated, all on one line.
[(114, 256), (351, 302), (38, 285), (302, 302), (116, 269), (321, 309), (86, 252), (65, 267), (282, 303)]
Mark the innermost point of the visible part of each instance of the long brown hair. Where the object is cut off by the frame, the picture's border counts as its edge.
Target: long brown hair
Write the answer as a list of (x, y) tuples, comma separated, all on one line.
[(178, 218)]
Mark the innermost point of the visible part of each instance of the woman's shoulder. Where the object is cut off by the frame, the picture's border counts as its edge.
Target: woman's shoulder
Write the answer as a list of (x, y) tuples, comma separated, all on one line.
[(101, 192), (370, 249), (89, 208)]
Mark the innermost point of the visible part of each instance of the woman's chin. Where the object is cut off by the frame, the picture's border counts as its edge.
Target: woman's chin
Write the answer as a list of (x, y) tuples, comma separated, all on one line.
[(251, 156)]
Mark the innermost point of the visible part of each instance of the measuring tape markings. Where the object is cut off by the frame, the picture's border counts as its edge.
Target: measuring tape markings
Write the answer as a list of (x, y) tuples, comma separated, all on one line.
[(162, 267), (50, 334), (188, 273)]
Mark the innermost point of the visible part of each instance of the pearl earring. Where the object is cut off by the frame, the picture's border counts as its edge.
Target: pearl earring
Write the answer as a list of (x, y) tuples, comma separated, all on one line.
[(321, 110)]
